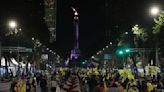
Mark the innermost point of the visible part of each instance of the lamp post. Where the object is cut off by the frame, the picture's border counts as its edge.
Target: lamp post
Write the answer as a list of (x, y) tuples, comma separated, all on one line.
[(12, 24), (14, 30), (154, 11)]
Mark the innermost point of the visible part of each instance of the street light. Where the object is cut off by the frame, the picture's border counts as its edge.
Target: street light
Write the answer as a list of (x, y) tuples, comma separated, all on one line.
[(33, 38), (111, 43), (12, 24), (93, 57), (47, 48), (107, 46), (154, 10), (126, 33)]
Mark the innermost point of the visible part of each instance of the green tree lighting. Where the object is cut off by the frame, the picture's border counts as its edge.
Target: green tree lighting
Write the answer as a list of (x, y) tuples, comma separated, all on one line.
[(127, 50), (121, 52)]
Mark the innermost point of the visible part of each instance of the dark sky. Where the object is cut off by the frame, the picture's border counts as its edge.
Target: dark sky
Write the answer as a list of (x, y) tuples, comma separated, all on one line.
[(101, 21)]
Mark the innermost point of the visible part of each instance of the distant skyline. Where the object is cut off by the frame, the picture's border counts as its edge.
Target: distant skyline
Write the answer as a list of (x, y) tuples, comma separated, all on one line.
[(97, 22)]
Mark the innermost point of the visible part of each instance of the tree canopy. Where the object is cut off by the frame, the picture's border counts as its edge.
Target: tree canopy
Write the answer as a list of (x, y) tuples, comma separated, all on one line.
[(159, 23)]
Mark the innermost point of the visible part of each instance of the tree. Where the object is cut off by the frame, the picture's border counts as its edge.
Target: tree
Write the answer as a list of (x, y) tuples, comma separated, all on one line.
[(159, 23), (140, 37), (140, 34)]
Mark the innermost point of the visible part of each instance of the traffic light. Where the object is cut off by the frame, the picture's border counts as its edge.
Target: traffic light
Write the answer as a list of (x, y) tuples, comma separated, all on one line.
[(123, 51), (83, 63), (127, 50)]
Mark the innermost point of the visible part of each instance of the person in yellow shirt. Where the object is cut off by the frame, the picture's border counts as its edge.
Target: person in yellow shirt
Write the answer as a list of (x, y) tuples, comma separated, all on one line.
[(149, 86), (142, 74), (22, 85)]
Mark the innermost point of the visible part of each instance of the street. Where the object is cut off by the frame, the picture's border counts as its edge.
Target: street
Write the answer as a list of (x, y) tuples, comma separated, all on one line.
[(5, 87), (71, 85)]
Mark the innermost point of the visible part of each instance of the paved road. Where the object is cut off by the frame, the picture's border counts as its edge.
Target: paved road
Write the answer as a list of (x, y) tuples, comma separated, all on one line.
[(4, 87), (71, 84)]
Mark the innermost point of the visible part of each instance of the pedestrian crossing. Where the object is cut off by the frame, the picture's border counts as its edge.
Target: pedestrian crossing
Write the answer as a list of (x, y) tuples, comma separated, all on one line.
[(71, 85)]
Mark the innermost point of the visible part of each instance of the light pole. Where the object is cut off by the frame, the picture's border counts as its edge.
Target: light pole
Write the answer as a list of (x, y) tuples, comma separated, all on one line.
[(12, 24), (14, 30), (154, 11)]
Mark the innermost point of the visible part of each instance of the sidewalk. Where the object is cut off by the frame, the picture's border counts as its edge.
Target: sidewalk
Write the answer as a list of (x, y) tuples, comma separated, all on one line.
[(5, 87)]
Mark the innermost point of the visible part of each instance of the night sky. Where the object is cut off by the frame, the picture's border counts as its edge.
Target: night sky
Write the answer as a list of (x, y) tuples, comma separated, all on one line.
[(101, 21)]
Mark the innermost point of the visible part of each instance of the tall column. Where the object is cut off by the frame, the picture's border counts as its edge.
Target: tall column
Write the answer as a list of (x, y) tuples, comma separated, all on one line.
[(75, 52)]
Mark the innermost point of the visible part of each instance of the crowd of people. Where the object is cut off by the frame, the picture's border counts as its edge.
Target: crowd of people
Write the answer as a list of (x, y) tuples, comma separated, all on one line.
[(119, 82), (38, 82), (90, 81)]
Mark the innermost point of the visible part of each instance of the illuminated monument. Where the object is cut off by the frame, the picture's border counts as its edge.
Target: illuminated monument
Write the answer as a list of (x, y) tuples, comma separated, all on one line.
[(50, 18), (75, 52)]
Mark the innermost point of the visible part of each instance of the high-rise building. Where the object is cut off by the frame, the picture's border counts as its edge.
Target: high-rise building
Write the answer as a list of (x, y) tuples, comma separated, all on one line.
[(50, 18)]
